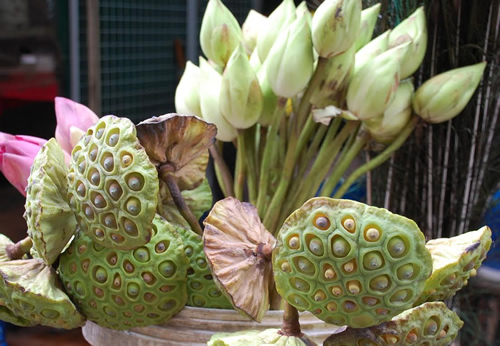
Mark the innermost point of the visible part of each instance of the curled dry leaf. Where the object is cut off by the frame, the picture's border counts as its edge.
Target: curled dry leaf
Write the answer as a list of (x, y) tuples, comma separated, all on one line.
[(177, 141), (238, 248)]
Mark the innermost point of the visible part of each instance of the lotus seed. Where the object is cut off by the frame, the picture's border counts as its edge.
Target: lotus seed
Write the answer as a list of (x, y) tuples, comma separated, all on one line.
[(431, 327), (141, 254), (188, 250), (370, 301), (382, 312), (129, 267), (442, 334), (167, 269), (81, 167), (372, 234), (469, 266), (86, 140), (331, 306), (95, 178), (337, 291), (380, 283), (196, 285), (301, 285), (134, 183), (82, 249), (391, 339), (305, 265), (214, 292), (349, 306), (89, 213), (396, 247), (329, 274), (133, 289), (112, 260), (109, 221), (99, 233), (98, 291), (285, 266), (118, 300), (349, 267), (372, 261), (149, 297), (49, 313), (166, 288), (85, 265), (201, 263), (93, 154), (117, 238), (412, 337), (115, 191), (113, 139), (294, 242), (148, 278), (99, 133), (322, 222), (117, 282), (81, 190), (405, 272), (349, 225), (449, 280), (354, 287), (316, 247), (126, 160), (161, 247), (133, 206), (109, 163), (101, 275), (99, 201), (473, 272), (399, 296), (341, 247), (319, 296)]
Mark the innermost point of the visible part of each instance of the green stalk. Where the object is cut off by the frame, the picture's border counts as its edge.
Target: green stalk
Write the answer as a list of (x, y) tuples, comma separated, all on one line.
[(222, 172), (18, 250), (291, 325), (379, 159), (273, 212), (270, 147), (252, 172), (344, 163), (241, 167)]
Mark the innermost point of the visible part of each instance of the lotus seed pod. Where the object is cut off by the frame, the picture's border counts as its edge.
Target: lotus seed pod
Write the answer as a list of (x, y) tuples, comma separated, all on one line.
[(180, 144), (51, 222), (113, 187), (454, 261), (256, 338), (428, 324), (121, 289), (8, 316), (31, 290), (199, 200), (373, 265), (201, 289), (238, 249)]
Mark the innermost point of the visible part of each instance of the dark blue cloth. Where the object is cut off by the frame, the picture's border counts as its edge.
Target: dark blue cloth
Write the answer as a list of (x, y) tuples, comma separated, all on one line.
[(492, 220)]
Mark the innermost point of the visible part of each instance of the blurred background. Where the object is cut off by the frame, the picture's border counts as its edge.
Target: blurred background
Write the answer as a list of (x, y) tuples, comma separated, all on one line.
[(126, 57)]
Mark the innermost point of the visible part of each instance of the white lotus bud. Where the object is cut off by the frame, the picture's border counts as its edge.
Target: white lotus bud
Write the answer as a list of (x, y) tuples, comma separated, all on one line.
[(373, 48), (369, 18), (251, 28), (187, 95)]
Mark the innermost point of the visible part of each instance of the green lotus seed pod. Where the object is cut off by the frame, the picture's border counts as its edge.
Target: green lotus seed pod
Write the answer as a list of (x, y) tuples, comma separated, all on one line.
[(256, 338), (454, 261), (201, 287), (31, 291), (373, 265), (121, 289), (114, 186), (51, 222), (428, 324)]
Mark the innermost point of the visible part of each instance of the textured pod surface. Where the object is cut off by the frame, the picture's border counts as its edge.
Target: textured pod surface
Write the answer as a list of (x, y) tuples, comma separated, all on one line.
[(257, 338), (51, 222), (427, 324), (121, 289), (201, 288), (8, 316), (455, 260), (199, 200), (178, 140), (113, 187), (235, 243), (350, 264), (31, 290)]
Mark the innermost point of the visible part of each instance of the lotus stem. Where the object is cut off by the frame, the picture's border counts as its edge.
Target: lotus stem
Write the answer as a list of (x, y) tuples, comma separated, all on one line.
[(179, 201), (222, 172), (250, 158), (18, 250), (291, 325), (379, 159)]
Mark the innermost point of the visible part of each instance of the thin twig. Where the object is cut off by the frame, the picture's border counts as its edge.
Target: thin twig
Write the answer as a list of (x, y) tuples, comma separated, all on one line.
[(225, 174)]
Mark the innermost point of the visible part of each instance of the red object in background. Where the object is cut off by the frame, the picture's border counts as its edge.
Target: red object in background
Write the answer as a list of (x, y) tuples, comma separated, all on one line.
[(19, 88)]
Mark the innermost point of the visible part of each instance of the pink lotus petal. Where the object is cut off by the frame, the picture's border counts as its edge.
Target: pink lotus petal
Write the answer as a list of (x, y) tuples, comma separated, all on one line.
[(17, 170), (70, 113), (5, 137), (31, 139), (21, 148)]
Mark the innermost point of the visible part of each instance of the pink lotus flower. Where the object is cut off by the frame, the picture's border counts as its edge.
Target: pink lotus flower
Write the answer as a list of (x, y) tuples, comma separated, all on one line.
[(18, 152), (16, 157), (73, 120)]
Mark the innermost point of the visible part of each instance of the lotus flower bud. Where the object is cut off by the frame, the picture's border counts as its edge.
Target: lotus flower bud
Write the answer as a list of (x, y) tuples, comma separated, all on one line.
[(413, 29), (277, 22), (210, 85), (372, 87), (270, 99), (240, 96), (444, 96), (373, 48), (334, 81), (16, 157), (251, 28), (73, 120), (368, 20), (220, 32), (303, 11), (187, 94), (335, 26), (396, 116), (289, 65)]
